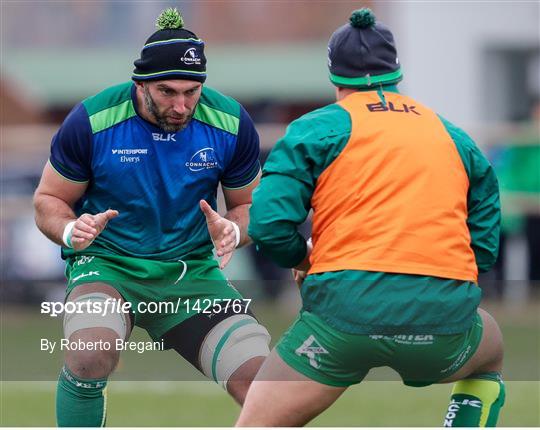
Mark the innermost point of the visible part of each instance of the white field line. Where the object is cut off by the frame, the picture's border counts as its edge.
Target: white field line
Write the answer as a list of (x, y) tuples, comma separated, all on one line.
[(161, 387)]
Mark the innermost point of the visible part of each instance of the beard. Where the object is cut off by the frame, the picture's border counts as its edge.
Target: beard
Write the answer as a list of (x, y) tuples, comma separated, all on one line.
[(161, 117)]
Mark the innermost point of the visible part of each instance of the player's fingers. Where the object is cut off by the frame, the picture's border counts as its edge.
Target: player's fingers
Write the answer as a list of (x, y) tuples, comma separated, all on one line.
[(87, 219), (111, 213), (225, 260), (299, 276), (223, 251), (221, 234), (100, 218), (103, 218), (223, 248), (82, 229), (209, 213), (227, 244), (79, 243), (227, 241), (84, 226), (81, 235)]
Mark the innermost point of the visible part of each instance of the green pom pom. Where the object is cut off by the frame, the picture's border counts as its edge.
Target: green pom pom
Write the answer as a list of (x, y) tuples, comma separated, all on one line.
[(362, 18), (169, 19)]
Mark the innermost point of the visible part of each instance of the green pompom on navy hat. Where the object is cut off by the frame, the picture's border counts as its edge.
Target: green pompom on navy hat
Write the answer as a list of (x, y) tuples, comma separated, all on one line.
[(172, 52), (362, 53)]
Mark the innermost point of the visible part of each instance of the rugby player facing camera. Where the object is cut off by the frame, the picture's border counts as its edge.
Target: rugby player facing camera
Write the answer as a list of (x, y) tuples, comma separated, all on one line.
[(129, 192)]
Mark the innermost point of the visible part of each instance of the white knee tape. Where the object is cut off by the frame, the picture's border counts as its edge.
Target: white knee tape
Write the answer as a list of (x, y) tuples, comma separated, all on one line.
[(230, 344), (95, 310)]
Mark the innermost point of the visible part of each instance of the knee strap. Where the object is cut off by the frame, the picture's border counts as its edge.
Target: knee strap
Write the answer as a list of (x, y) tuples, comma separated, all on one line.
[(110, 317), (230, 344)]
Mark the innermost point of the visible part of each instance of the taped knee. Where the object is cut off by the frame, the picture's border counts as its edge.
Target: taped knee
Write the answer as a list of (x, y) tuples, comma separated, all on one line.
[(230, 344), (95, 310)]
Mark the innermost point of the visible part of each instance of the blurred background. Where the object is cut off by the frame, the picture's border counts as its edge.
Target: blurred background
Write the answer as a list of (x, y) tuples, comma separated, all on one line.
[(475, 63)]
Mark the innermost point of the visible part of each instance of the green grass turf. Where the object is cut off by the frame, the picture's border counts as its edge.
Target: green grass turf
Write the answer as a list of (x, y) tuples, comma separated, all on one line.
[(195, 404)]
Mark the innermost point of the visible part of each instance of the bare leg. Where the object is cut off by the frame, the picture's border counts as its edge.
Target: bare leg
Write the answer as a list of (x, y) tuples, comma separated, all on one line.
[(240, 381), (489, 355), (479, 393), (281, 397)]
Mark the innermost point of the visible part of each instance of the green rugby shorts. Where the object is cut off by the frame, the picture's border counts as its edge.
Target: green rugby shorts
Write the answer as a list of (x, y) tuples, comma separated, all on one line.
[(162, 294), (331, 357)]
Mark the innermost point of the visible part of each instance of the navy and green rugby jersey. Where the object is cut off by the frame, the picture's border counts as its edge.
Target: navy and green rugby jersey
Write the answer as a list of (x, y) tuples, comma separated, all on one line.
[(155, 179)]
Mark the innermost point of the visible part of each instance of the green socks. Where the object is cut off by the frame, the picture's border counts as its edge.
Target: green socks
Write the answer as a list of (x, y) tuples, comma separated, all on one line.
[(476, 401), (80, 402)]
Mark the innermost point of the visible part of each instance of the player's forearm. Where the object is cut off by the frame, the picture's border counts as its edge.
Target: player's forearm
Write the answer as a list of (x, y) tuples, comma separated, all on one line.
[(280, 204), (240, 216), (281, 242), (274, 229), (52, 215)]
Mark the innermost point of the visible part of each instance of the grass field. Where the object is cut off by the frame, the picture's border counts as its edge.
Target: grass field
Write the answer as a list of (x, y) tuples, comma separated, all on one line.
[(171, 395), (193, 404)]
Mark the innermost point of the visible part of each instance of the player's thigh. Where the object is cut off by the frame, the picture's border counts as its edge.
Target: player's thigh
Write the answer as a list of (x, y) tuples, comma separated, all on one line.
[(282, 397), (214, 329), (489, 354), (219, 345), (94, 287)]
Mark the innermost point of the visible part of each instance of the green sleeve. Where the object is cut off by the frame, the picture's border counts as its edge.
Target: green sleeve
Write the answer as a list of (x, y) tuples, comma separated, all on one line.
[(484, 209), (282, 200)]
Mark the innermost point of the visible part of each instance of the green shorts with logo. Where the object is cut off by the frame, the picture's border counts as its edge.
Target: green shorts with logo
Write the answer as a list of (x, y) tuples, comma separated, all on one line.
[(161, 294), (335, 358)]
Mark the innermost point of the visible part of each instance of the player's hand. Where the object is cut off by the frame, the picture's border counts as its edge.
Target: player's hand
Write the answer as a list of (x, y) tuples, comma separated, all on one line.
[(305, 264), (299, 276), (221, 232), (88, 227), (300, 272)]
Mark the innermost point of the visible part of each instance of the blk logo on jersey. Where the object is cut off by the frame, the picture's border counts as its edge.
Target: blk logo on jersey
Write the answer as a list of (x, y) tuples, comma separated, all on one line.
[(203, 159), (380, 107), (170, 137)]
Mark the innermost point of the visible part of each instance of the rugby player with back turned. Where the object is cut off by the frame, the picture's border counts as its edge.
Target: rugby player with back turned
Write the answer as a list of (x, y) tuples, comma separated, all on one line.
[(405, 213)]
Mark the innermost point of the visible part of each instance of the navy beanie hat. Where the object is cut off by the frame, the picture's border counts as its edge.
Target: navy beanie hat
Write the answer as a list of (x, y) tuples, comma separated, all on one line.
[(362, 53), (172, 52)]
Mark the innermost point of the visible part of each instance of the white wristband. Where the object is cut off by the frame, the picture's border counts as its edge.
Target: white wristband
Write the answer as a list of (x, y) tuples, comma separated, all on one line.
[(66, 237), (236, 232)]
